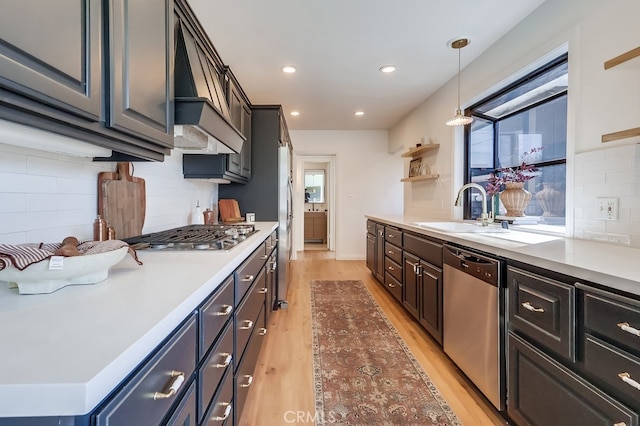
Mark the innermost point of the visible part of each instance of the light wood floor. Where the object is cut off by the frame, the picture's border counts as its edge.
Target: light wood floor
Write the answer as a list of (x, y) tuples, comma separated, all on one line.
[(282, 390)]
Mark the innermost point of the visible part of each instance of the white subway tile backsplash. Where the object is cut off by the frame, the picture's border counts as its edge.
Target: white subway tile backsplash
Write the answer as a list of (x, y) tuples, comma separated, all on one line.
[(609, 172), (50, 196)]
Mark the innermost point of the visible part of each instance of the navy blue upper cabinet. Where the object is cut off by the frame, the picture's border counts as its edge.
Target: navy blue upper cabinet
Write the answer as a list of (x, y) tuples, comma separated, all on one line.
[(141, 69), (100, 71), (58, 65)]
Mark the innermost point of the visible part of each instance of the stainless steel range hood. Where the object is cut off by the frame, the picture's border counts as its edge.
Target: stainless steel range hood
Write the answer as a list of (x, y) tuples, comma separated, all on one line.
[(202, 119)]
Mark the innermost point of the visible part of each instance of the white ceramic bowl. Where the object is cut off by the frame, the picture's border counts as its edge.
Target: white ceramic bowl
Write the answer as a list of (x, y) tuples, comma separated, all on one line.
[(38, 278)]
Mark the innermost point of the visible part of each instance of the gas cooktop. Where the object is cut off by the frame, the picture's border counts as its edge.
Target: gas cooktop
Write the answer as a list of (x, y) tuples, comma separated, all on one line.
[(194, 237)]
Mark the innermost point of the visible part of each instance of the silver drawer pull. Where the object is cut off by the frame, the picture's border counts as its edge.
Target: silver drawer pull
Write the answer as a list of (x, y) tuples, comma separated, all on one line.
[(262, 331), (391, 252), (391, 236), (626, 327), (173, 388), (225, 415), (248, 382), (226, 362), (263, 290), (626, 377), (226, 310), (247, 325), (264, 256), (248, 278), (529, 307), (391, 268), (392, 285)]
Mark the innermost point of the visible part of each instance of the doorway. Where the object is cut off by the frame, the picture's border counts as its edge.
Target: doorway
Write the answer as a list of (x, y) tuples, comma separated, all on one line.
[(316, 203)]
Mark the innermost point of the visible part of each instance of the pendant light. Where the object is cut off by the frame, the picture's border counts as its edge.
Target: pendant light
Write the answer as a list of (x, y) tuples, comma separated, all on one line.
[(459, 119)]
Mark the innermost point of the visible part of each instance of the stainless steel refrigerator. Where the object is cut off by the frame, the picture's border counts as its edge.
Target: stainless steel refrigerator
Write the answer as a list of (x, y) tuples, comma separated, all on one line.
[(269, 192)]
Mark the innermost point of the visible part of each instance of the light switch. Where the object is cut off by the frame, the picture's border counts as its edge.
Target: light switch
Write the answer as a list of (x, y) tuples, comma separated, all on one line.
[(607, 208)]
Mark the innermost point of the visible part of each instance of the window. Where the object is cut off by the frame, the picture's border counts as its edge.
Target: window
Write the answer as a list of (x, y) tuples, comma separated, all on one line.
[(531, 113)]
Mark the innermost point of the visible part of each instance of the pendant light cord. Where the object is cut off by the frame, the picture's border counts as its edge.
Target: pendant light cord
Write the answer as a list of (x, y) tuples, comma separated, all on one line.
[(459, 77)]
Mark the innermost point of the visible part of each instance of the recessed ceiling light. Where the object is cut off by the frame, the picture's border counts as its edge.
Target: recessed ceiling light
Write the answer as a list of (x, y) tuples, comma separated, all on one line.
[(388, 69), (359, 113), (295, 113), (289, 69)]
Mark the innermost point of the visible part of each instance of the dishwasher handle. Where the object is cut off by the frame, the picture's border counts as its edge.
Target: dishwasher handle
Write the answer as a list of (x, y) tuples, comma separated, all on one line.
[(477, 265)]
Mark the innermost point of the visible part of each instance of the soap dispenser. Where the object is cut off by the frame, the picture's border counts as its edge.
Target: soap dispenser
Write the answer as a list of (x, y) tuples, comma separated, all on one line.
[(197, 218)]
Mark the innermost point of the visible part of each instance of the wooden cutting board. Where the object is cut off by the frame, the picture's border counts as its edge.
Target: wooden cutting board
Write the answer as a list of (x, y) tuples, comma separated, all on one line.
[(229, 211), (122, 201)]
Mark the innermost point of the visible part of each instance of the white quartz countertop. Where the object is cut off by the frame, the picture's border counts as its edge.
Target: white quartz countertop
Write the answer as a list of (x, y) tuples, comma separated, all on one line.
[(63, 352), (608, 265)]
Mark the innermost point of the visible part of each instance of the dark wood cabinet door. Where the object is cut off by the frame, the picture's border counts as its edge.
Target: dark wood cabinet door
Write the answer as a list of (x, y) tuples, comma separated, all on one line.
[(50, 52), (371, 252), (246, 148), (543, 392), (140, 65), (411, 284), (379, 264), (431, 300)]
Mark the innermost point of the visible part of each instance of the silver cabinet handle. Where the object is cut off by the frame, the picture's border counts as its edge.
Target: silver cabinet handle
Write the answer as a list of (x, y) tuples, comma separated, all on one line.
[(225, 415), (247, 325), (262, 331), (531, 308), (264, 256), (391, 268), (391, 236), (248, 278), (392, 285), (631, 330), (626, 377), (226, 310), (226, 362), (248, 382), (178, 380), (391, 252), (263, 290), (273, 266)]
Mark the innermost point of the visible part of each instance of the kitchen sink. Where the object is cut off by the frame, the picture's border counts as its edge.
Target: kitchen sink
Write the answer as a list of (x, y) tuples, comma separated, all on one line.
[(457, 227)]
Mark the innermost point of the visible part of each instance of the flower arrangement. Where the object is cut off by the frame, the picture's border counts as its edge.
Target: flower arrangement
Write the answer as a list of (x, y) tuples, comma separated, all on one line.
[(504, 175)]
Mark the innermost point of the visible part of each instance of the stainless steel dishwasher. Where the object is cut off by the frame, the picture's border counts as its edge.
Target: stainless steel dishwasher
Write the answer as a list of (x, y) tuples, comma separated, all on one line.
[(473, 325)]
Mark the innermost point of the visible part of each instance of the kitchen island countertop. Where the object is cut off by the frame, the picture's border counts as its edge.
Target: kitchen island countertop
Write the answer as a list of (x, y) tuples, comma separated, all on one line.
[(63, 352), (608, 265)]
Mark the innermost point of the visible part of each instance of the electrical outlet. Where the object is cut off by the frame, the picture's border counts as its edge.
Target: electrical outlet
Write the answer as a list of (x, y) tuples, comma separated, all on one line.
[(607, 208)]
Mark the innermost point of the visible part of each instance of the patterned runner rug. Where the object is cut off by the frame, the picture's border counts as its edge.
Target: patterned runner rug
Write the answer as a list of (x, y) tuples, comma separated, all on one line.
[(364, 373)]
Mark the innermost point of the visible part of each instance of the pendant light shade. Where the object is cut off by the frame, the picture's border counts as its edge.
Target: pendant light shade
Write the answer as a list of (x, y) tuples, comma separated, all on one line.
[(459, 119)]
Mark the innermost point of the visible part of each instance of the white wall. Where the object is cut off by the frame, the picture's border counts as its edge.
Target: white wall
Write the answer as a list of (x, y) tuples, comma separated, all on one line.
[(367, 182), (599, 101), (45, 197)]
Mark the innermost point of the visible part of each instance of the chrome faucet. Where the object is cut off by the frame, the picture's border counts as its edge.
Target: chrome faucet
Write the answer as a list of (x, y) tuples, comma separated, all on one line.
[(484, 217)]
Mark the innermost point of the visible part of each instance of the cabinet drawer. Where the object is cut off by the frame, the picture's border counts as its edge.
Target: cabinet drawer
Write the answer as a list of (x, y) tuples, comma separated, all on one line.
[(371, 227), (543, 392), (215, 313), (248, 271), (393, 268), (245, 373), (425, 249), (185, 413), (245, 320), (214, 367), (135, 403), (393, 235), (393, 285), (614, 318), (271, 242), (221, 409), (542, 309), (393, 252), (609, 366)]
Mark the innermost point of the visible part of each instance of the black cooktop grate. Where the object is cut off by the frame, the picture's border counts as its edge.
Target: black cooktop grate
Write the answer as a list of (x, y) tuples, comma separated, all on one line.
[(195, 234)]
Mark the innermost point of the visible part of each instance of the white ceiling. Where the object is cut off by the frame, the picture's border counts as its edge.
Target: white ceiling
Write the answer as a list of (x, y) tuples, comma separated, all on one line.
[(339, 45)]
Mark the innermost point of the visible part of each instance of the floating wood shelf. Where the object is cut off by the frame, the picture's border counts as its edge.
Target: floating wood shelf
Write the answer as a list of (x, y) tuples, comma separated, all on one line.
[(625, 57), (417, 178), (414, 152), (633, 54), (623, 134)]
